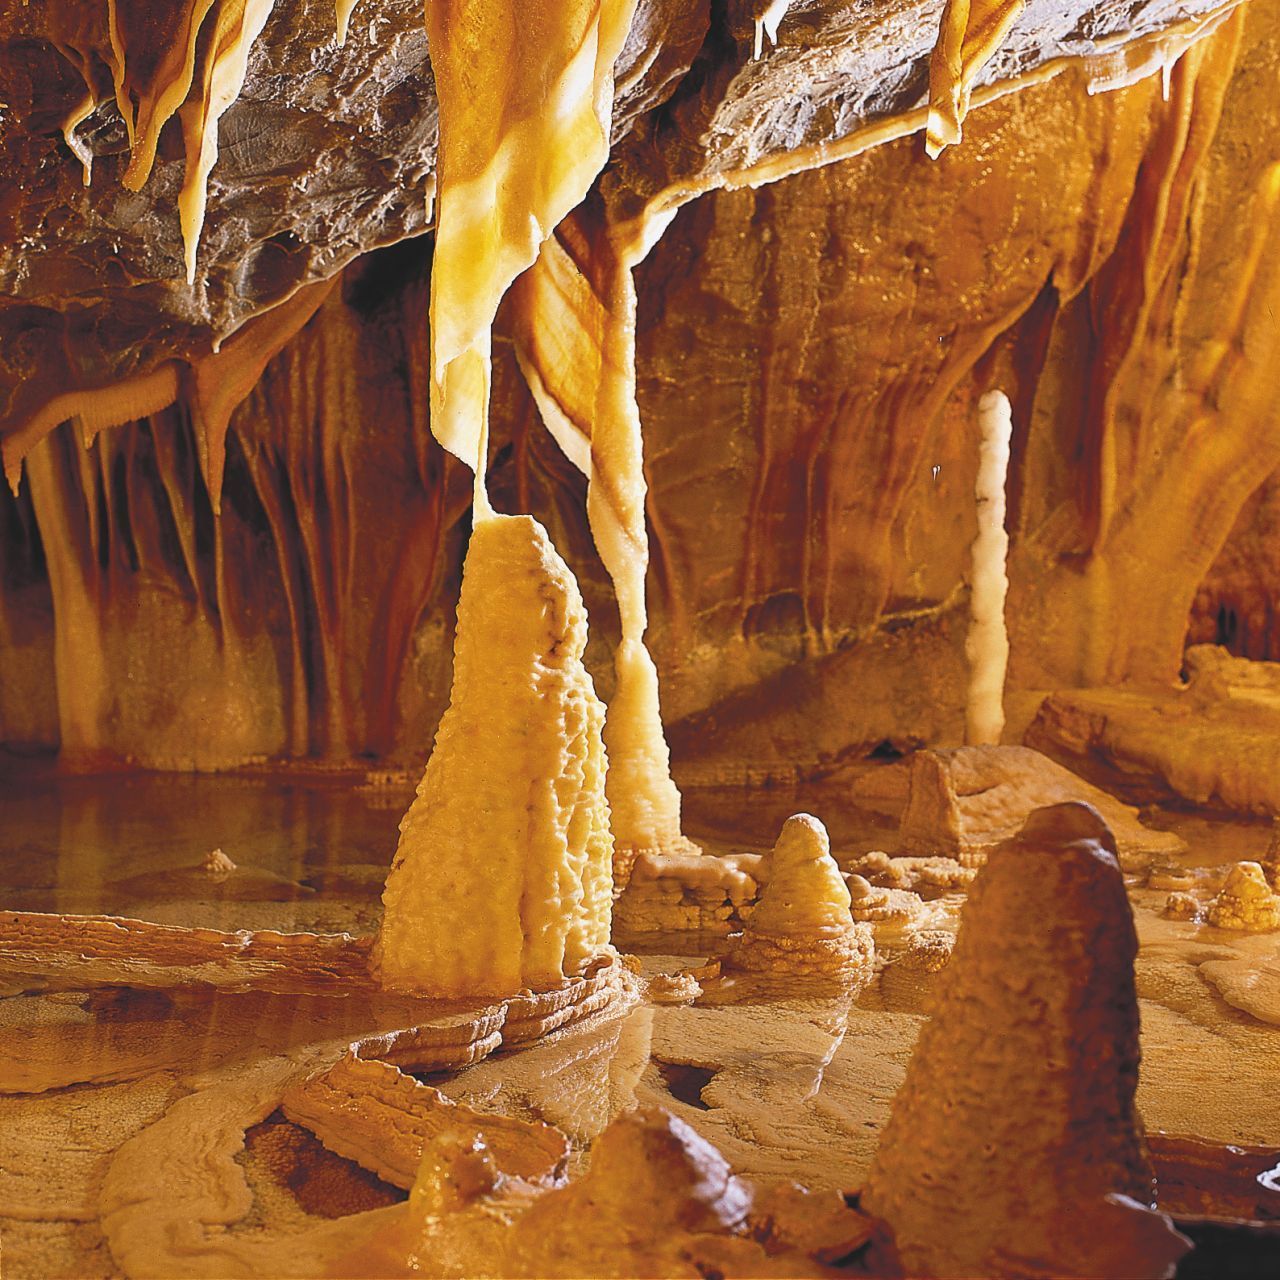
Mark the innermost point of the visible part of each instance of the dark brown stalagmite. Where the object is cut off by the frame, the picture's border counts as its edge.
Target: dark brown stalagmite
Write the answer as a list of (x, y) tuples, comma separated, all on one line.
[(1015, 1130)]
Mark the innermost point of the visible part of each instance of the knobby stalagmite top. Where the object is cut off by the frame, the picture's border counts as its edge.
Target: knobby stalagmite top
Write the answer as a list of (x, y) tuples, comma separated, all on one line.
[(502, 879), (1015, 1129)]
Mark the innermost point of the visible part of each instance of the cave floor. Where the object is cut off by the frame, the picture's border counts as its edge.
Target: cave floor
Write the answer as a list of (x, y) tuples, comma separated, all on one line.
[(788, 1086)]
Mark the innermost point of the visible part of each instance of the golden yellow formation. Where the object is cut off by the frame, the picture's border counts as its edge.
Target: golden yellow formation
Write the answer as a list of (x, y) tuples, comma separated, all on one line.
[(803, 922), (971, 32), (226, 60), (526, 101), (502, 879)]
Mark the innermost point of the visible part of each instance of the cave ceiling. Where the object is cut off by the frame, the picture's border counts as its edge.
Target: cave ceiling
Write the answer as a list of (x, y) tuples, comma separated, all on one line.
[(328, 151)]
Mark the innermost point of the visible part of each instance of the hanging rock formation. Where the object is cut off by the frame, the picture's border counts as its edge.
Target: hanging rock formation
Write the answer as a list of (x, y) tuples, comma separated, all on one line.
[(1014, 1147), (502, 877)]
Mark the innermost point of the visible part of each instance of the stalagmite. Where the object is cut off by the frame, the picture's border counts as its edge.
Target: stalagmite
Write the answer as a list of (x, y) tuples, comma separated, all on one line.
[(1246, 900), (577, 350), (643, 797), (802, 922), (971, 32), (1014, 1146), (502, 877), (496, 208), (987, 644)]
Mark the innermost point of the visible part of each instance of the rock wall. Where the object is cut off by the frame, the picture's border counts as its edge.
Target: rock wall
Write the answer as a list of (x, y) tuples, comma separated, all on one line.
[(810, 357)]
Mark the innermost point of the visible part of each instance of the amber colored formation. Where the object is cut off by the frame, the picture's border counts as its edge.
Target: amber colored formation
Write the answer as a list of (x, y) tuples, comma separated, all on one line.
[(1212, 741), (502, 878), (1246, 900), (963, 802), (686, 892), (971, 32), (809, 567), (1014, 1146), (653, 1189), (802, 922)]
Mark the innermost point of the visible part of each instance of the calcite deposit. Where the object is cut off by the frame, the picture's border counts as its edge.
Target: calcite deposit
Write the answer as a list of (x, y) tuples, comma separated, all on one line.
[(877, 378), (503, 875), (802, 921), (1246, 900), (984, 1149)]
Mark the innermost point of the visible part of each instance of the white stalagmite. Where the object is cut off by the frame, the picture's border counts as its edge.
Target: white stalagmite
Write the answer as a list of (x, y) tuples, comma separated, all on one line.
[(987, 645), (502, 879)]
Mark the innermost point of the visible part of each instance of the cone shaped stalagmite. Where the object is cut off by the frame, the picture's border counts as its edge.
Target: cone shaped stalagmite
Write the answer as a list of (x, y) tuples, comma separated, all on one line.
[(1016, 1121), (502, 877), (802, 922)]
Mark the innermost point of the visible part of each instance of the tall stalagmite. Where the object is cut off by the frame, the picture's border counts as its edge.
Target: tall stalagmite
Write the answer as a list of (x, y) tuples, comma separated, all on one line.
[(502, 879), (987, 645), (1015, 1129)]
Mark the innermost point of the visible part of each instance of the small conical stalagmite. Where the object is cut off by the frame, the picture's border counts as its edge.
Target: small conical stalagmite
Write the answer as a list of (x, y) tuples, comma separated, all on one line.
[(1014, 1147), (502, 879), (802, 922)]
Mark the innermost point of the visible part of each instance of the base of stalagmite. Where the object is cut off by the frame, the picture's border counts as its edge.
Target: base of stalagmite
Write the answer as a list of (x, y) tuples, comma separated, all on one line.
[(502, 879)]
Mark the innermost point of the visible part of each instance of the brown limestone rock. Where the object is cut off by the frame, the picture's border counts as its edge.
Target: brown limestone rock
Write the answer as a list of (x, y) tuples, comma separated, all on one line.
[(1015, 1132), (965, 801), (374, 1114), (1214, 742)]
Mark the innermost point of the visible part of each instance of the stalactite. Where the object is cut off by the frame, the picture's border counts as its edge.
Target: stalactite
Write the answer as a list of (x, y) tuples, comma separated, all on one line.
[(517, 153), (971, 32), (236, 25), (767, 21), (342, 17), (156, 53)]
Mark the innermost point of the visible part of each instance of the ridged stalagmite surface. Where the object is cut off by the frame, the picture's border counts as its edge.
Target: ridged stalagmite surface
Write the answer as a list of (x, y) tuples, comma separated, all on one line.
[(1246, 900), (802, 921), (502, 877), (1016, 1120)]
